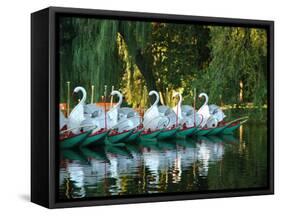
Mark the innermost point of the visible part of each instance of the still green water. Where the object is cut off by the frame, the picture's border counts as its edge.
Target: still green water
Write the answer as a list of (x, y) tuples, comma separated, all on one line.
[(237, 161)]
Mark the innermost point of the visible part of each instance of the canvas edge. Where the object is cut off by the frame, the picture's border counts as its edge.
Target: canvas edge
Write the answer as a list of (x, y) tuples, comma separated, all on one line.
[(109, 201)]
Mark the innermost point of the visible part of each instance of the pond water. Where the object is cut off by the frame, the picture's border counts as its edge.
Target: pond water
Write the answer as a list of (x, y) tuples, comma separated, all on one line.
[(237, 161)]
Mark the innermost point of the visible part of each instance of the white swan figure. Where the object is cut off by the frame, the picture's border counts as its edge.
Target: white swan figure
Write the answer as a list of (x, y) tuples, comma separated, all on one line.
[(158, 117), (212, 114), (153, 110), (152, 117), (122, 118), (113, 112), (204, 110), (186, 113), (76, 117)]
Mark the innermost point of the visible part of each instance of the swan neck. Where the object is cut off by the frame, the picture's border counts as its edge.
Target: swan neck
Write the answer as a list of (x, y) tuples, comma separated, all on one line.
[(180, 100), (206, 100), (157, 99), (83, 99), (84, 93), (120, 96)]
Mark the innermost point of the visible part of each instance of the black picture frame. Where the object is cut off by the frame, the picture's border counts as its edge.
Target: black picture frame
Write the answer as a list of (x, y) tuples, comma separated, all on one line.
[(44, 102)]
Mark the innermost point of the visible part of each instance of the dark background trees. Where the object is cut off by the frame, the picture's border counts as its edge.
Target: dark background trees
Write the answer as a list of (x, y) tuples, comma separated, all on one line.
[(228, 63)]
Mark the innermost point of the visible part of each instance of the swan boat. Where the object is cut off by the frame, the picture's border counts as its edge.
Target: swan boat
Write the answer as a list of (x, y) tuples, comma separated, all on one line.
[(187, 118), (213, 123), (159, 121), (91, 125), (123, 121), (83, 124), (74, 134)]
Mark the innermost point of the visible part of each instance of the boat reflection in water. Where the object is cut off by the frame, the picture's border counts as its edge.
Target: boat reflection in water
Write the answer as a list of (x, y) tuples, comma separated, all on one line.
[(180, 165), (150, 168)]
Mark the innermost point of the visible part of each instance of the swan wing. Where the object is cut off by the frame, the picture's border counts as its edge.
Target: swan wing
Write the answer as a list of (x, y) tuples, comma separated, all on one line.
[(156, 123), (163, 122), (217, 112), (171, 115), (151, 113), (91, 108), (127, 112), (213, 108), (127, 124), (187, 110), (163, 110)]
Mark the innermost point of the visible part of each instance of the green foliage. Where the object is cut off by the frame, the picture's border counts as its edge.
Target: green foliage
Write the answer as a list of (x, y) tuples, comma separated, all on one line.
[(228, 63), (238, 62), (90, 57), (180, 53)]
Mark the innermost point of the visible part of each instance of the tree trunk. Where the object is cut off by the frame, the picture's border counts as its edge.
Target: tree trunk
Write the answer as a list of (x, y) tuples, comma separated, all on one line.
[(144, 63)]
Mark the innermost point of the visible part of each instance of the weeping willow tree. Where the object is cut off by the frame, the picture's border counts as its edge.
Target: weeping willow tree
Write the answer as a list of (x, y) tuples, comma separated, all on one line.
[(228, 63), (89, 54), (129, 56)]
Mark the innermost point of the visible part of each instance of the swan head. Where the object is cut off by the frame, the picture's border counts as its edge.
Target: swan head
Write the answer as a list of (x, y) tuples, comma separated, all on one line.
[(120, 98), (203, 95), (116, 93), (153, 92), (84, 93), (79, 88)]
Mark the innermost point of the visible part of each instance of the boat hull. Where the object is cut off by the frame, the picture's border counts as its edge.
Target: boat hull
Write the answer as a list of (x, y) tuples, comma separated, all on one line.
[(230, 129), (74, 141), (186, 132), (204, 132), (134, 136), (151, 135), (94, 139), (118, 137), (167, 134), (217, 130)]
